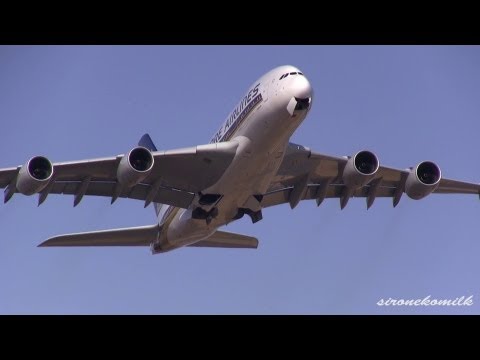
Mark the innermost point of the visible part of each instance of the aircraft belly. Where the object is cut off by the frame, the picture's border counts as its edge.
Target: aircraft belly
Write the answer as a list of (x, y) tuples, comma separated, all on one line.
[(184, 230), (262, 140)]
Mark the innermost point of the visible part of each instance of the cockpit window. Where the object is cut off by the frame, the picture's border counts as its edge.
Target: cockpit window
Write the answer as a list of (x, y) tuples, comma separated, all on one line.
[(292, 73)]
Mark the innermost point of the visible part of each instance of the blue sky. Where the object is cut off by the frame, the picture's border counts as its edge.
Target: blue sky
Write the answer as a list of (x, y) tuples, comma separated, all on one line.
[(405, 103)]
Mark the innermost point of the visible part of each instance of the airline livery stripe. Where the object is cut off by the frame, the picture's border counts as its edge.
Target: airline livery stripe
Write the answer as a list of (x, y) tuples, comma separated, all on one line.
[(243, 115)]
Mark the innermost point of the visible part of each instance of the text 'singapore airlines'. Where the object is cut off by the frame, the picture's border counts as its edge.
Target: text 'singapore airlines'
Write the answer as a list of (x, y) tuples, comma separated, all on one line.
[(238, 114)]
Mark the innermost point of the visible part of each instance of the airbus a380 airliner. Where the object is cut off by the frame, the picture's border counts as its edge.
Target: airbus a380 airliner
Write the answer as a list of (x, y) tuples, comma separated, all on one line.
[(248, 165)]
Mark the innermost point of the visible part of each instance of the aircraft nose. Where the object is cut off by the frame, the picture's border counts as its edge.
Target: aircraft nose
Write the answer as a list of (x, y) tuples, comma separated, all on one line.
[(300, 95), (301, 88)]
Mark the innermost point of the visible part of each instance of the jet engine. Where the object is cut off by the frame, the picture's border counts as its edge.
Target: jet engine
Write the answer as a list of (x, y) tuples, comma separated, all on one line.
[(360, 169), (135, 166), (423, 180), (34, 176)]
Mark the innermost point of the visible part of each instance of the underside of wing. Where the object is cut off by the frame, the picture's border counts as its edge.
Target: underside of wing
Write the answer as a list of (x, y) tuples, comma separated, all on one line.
[(305, 175), (448, 186), (164, 195), (312, 192), (169, 177)]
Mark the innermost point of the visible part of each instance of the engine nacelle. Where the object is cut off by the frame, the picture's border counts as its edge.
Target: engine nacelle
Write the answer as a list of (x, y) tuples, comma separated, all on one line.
[(34, 176), (360, 169), (135, 166), (423, 180)]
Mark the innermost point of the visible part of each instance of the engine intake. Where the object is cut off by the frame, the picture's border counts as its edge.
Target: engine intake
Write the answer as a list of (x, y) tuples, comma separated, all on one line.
[(423, 180), (135, 166), (34, 176), (360, 169)]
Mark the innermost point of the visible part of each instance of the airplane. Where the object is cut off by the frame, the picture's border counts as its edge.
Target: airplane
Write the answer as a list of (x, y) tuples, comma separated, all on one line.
[(249, 165)]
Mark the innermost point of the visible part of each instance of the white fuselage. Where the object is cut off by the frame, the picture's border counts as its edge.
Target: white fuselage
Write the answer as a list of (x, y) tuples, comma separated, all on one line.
[(262, 124)]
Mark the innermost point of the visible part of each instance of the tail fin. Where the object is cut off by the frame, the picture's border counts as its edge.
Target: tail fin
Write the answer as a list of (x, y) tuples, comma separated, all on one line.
[(146, 142)]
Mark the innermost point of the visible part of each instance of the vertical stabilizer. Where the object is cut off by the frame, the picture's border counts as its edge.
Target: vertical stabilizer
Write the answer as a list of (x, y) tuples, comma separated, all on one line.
[(146, 142)]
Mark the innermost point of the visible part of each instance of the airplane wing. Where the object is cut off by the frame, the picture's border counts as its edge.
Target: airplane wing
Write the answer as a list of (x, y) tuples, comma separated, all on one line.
[(306, 175), (174, 177)]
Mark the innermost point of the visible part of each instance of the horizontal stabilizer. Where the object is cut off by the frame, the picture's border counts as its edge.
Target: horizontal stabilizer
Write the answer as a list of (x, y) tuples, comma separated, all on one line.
[(136, 236), (223, 239)]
